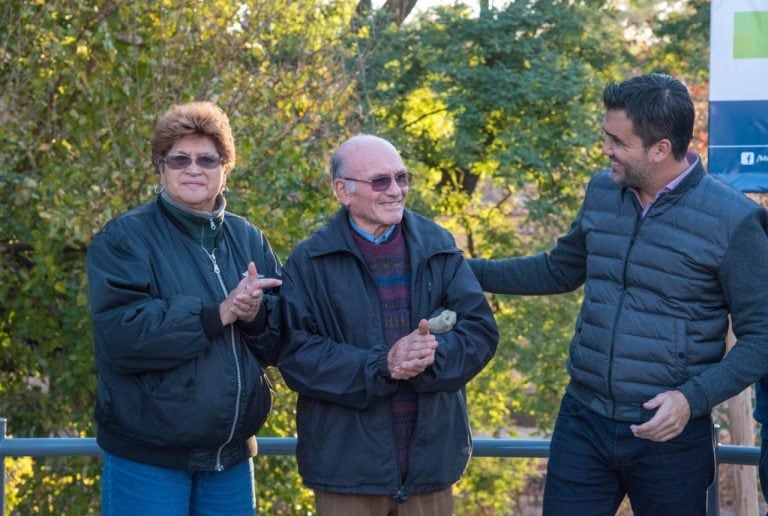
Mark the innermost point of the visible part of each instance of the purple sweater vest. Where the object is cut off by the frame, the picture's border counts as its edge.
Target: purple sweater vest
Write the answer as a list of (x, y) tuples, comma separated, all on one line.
[(389, 266)]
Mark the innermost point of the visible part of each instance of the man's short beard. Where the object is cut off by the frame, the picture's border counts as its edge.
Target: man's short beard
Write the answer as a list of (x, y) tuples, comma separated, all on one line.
[(632, 180)]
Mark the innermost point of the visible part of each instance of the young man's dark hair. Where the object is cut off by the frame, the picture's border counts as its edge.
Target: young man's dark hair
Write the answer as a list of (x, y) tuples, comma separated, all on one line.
[(659, 107)]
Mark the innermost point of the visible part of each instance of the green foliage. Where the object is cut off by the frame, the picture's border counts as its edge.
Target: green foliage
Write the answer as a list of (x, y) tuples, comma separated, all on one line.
[(676, 38), (489, 486), (499, 117), (59, 486), (83, 84), (497, 114), (506, 99)]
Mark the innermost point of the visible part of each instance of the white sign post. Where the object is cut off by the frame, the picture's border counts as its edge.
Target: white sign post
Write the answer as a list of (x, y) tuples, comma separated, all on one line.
[(738, 93)]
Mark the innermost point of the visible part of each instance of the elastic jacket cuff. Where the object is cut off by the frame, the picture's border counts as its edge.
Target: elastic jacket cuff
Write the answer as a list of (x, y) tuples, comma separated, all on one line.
[(255, 327), (697, 399), (211, 320)]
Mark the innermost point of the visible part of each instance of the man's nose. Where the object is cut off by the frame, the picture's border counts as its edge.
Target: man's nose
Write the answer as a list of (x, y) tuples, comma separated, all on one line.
[(607, 148)]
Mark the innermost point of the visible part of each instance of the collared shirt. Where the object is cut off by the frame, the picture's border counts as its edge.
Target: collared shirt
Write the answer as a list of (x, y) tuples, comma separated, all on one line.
[(692, 160), (369, 236)]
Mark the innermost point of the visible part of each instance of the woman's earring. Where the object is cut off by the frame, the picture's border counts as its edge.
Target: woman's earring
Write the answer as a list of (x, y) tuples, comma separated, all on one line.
[(159, 188)]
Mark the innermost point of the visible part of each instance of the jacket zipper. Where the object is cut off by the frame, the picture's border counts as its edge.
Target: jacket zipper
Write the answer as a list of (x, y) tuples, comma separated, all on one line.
[(401, 495), (219, 466), (620, 308)]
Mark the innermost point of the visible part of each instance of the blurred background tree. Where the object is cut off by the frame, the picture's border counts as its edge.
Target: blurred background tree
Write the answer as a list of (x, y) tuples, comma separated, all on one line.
[(496, 109)]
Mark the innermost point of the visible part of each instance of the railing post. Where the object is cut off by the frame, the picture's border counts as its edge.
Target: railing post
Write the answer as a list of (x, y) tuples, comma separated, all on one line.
[(2, 469), (713, 493)]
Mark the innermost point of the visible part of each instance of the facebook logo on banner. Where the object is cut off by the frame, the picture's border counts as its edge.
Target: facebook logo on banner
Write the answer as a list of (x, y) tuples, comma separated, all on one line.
[(747, 158)]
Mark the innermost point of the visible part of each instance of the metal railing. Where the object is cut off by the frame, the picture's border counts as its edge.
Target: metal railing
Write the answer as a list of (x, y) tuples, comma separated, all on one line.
[(515, 448)]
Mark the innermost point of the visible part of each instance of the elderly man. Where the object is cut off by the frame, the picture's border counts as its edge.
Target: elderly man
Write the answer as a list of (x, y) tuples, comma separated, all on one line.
[(381, 415)]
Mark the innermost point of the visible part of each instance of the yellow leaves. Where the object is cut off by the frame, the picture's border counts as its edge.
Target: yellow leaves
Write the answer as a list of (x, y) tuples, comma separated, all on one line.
[(427, 115), (45, 147), (18, 472), (487, 167)]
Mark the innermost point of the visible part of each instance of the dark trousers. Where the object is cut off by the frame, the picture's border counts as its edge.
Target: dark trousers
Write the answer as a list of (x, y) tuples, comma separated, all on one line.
[(595, 461)]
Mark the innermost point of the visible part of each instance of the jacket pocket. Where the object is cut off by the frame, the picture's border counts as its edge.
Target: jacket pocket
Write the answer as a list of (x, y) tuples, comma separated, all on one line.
[(187, 406), (259, 406), (681, 350), (177, 383)]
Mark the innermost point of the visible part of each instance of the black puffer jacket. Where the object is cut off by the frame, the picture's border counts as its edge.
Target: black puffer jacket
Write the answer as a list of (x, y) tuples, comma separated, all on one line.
[(176, 388), (657, 294), (336, 358)]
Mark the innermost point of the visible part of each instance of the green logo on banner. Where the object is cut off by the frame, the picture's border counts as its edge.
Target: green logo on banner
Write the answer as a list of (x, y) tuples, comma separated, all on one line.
[(750, 34)]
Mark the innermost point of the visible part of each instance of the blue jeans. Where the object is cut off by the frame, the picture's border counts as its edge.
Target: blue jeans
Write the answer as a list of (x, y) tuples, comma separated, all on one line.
[(129, 488), (595, 461)]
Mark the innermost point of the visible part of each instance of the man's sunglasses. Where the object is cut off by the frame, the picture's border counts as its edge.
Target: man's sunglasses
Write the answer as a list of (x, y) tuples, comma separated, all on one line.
[(180, 161), (382, 183)]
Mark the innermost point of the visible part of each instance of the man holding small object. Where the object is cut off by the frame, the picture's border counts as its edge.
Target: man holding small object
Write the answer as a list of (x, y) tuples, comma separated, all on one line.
[(381, 416)]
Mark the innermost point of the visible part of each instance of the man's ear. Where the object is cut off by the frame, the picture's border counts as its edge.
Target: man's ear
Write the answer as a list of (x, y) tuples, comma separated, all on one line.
[(341, 189), (661, 150)]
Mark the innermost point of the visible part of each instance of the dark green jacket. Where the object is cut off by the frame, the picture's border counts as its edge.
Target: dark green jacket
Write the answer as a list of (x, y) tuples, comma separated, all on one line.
[(176, 388)]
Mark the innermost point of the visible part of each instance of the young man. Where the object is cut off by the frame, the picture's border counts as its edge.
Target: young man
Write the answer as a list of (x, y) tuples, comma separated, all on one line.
[(381, 416), (665, 253)]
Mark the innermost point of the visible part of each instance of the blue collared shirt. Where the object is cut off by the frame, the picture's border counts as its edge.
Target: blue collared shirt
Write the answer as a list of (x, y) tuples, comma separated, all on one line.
[(369, 236)]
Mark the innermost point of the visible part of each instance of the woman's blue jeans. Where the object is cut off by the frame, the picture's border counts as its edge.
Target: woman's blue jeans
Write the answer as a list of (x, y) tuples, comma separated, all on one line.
[(595, 461), (133, 488)]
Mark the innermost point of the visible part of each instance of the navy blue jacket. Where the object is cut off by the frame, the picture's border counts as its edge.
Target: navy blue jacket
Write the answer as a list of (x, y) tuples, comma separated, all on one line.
[(657, 294), (336, 359), (176, 388)]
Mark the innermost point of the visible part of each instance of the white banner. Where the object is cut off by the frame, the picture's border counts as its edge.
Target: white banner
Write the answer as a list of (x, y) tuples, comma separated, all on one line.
[(738, 93), (738, 56)]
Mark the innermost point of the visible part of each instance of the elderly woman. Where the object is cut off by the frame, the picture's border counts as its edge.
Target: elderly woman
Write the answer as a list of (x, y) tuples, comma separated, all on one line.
[(185, 319)]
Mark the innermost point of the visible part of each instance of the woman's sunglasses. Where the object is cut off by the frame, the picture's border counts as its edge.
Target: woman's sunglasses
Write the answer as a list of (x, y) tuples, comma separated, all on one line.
[(180, 161)]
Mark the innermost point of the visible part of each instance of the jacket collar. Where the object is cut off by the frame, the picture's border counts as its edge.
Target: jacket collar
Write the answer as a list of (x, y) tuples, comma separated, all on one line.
[(691, 180), (202, 226), (336, 236)]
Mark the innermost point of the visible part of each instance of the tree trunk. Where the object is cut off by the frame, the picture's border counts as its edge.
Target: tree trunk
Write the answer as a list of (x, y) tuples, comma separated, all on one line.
[(742, 433), (364, 7), (400, 8)]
